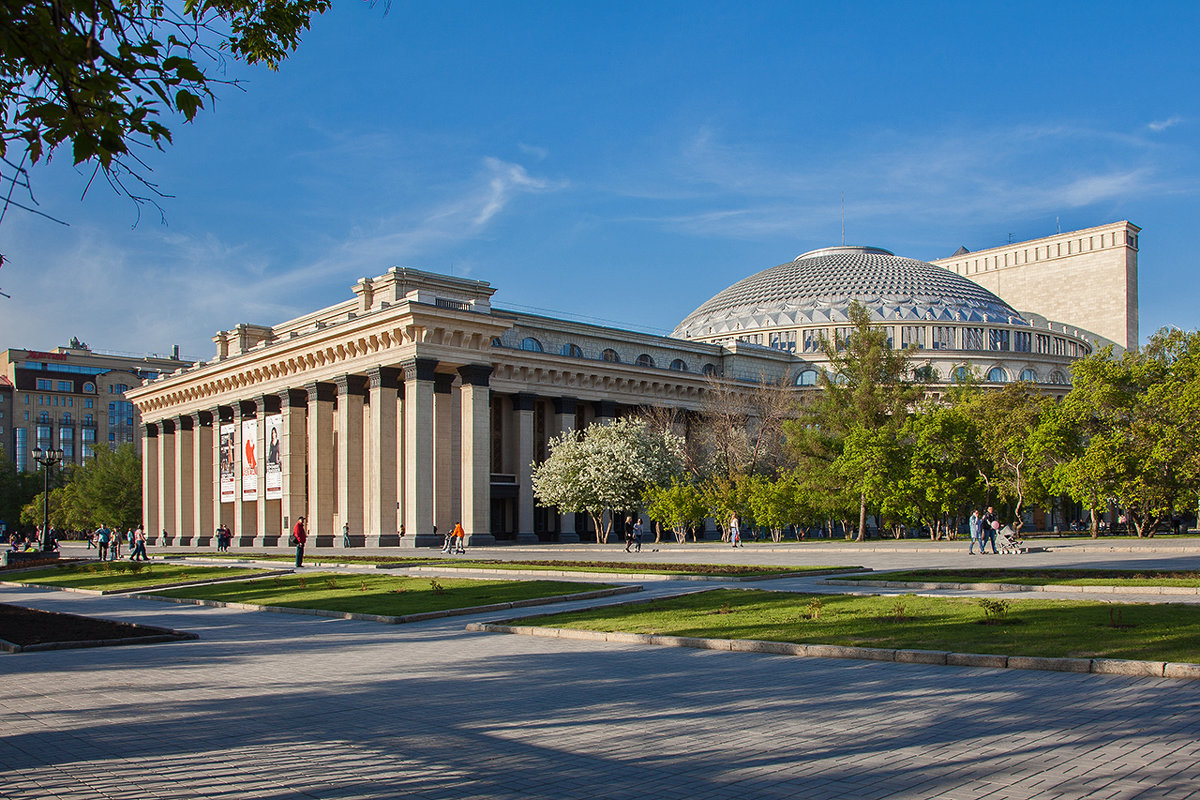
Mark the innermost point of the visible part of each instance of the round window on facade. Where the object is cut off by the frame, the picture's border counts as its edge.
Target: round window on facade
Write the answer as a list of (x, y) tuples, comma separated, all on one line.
[(1029, 375), (644, 360), (610, 356), (572, 350), (807, 378), (531, 344), (89, 387), (997, 375), (679, 365)]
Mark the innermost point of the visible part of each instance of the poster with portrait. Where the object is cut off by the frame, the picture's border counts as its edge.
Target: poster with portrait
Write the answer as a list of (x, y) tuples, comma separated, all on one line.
[(249, 459), (274, 474), (227, 450)]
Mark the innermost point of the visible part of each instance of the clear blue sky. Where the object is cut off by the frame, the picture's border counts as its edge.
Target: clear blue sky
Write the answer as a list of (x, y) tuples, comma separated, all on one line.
[(625, 161)]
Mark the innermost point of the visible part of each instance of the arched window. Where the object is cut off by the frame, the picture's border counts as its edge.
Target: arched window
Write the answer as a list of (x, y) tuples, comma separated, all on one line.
[(1058, 378), (496, 342), (89, 387), (1029, 375), (610, 356), (644, 360), (572, 350), (997, 375), (807, 378), (679, 365), (710, 370), (531, 344), (44, 416), (926, 373), (962, 374), (66, 420)]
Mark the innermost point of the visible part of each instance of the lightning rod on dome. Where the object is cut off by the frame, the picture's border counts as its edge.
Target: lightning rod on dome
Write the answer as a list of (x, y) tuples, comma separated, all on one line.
[(843, 219)]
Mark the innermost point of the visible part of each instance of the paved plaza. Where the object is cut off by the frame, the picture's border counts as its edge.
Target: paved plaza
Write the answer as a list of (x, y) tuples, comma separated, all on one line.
[(280, 706)]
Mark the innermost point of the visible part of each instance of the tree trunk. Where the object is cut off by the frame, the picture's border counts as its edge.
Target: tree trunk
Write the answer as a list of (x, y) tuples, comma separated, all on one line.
[(1095, 523), (862, 517)]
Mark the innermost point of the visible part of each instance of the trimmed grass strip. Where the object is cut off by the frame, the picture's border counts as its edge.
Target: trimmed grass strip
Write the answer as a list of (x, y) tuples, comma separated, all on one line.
[(385, 595), (1041, 577), (123, 575), (1047, 628)]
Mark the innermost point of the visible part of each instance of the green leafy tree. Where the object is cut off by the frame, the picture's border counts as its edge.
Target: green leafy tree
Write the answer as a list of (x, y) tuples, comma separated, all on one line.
[(864, 397), (606, 468), (102, 75), (777, 503), (678, 505), (17, 490)]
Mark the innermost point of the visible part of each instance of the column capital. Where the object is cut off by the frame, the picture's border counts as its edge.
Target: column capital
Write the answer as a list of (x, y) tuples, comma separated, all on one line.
[(475, 374), (151, 430), (204, 419), (267, 403), (350, 384), (523, 401), (246, 409), (168, 427), (186, 423), (605, 409), (419, 369), (442, 383), (293, 398), (383, 377), (320, 392), (565, 405)]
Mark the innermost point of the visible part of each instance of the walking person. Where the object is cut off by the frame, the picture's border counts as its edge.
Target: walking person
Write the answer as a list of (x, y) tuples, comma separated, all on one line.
[(139, 545), (346, 535), (735, 530), (628, 533), (447, 540), (102, 536), (976, 526), (990, 526), (297, 539), (115, 546), (637, 535), (460, 538)]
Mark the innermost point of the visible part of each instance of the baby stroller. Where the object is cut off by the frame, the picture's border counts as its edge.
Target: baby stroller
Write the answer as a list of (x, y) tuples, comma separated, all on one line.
[(1006, 540)]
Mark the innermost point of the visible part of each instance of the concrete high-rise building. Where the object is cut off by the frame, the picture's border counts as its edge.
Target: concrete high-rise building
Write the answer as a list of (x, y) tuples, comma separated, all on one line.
[(72, 398)]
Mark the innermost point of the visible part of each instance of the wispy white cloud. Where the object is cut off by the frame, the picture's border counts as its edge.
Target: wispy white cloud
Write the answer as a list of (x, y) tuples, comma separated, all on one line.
[(1161, 125)]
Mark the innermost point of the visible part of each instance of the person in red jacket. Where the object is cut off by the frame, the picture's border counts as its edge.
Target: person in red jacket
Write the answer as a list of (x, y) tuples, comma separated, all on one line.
[(299, 537)]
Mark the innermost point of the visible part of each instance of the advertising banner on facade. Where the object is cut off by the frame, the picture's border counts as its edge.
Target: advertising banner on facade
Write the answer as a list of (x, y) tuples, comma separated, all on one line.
[(274, 479), (249, 459), (228, 452)]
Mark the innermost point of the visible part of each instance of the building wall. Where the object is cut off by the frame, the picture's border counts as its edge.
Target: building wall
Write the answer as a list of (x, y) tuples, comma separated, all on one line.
[(1087, 279)]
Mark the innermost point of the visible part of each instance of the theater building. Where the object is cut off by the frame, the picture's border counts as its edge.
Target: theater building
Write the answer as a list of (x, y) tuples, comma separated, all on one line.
[(417, 403)]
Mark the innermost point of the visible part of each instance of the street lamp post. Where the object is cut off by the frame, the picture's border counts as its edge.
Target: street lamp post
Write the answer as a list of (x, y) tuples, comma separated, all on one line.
[(47, 458)]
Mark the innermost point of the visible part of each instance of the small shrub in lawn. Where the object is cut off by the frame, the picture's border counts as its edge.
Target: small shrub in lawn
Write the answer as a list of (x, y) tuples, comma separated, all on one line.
[(437, 588), (898, 609), (303, 583), (135, 567), (814, 608), (363, 586), (331, 583), (725, 609), (994, 611), (1115, 619), (278, 582)]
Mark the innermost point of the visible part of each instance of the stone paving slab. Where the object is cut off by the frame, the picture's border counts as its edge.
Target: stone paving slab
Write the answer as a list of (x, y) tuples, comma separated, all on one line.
[(282, 707)]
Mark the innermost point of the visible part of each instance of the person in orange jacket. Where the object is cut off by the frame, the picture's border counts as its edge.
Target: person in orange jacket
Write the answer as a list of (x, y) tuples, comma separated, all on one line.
[(460, 537)]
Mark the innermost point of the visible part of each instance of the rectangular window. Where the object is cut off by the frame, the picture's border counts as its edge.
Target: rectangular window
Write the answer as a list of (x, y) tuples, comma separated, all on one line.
[(997, 339), (87, 451), (812, 341), (912, 335), (943, 337), (1022, 341), (44, 384), (87, 434), (841, 337), (22, 448), (68, 449), (972, 339), (43, 436), (87, 402), (65, 386), (1060, 346), (1042, 343)]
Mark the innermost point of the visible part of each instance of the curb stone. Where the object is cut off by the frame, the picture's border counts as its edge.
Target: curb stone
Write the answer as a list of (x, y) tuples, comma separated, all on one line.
[(1019, 587), (1095, 666), (637, 576)]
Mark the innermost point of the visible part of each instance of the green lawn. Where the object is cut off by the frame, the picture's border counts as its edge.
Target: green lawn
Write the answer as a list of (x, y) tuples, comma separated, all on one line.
[(714, 570), (316, 558), (1040, 577), (118, 575), (387, 595), (1053, 628)]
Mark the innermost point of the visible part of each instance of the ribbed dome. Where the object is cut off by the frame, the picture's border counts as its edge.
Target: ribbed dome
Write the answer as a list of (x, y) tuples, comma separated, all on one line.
[(818, 286)]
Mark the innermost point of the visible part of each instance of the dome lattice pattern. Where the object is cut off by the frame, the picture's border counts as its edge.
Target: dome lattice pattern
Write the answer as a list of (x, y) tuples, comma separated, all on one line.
[(818, 287)]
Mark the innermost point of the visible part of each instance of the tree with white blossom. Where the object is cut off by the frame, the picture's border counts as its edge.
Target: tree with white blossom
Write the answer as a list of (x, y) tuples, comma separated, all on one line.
[(606, 468)]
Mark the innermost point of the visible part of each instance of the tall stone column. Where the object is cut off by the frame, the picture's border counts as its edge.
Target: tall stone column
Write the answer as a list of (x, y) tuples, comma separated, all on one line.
[(564, 420), (267, 515), (523, 407), (476, 454), (245, 512), (150, 482), (350, 456), (418, 452), (320, 463), (444, 454), (222, 510), (184, 530), (382, 518), (166, 486), (202, 479), (293, 447)]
